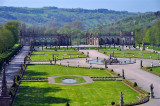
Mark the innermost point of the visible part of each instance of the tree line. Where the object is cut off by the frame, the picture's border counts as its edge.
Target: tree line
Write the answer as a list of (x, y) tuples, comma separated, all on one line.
[(9, 35)]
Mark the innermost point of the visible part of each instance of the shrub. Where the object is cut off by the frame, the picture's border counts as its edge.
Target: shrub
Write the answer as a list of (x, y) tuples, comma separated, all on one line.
[(112, 103), (67, 104), (112, 70), (134, 84)]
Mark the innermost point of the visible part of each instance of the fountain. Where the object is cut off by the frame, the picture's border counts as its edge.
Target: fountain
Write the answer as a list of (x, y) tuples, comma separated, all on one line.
[(69, 80), (111, 61)]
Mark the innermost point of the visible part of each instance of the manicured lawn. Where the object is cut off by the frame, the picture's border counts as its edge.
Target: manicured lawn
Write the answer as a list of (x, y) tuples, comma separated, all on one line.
[(43, 71), (79, 79), (57, 52), (93, 94), (48, 55), (130, 53), (156, 69)]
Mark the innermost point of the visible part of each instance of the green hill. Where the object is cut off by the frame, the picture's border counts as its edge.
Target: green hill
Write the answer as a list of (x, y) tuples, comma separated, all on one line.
[(130, 23), (60, 16)]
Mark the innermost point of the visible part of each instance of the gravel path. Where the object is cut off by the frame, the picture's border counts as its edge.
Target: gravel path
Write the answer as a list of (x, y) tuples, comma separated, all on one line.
[(13, 68)]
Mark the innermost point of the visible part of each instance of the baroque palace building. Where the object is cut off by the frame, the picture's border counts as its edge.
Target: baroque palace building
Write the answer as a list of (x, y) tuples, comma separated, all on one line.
[(126, 38), (31, 38)]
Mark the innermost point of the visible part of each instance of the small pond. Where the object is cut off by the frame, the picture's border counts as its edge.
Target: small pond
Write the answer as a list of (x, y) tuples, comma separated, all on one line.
[(69, 80)]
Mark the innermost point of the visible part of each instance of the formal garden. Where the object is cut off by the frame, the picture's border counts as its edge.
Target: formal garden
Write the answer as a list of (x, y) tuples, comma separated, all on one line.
[(50, 55), (132, 54), (96, 93)]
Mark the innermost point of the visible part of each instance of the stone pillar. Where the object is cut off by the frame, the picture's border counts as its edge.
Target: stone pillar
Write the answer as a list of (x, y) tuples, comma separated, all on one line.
[(4, 98), (60, 62), (55, 60), (130, 59), (123, 74), (121, 99), (4, 92), (113, 54), (87, 54), (4, 65), (141, 64), (151, 92), (110, 56), (53, 57), (67, 63), (106, 64), (152, 64), (78, 64), (90, 65), (143, 45)]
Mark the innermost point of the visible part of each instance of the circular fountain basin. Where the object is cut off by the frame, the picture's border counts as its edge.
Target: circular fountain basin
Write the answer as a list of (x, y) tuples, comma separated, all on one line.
[(96, 62), (121, 61), (69, 80)]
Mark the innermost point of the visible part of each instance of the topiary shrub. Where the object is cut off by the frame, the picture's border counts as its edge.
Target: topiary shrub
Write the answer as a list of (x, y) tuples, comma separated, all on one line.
[(112, 103), (134, 84), (112, 70), (67, 104)]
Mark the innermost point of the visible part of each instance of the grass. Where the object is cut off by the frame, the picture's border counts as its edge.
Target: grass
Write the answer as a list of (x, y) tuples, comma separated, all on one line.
[(79, 79), (154, 70), (48, 55), (93, 94), (57, 52), (153, 47), (130, 53), (44, 71)]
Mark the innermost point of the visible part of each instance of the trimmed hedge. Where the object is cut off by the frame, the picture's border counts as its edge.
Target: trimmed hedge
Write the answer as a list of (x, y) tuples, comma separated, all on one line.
[(111, 71), (16, 83)]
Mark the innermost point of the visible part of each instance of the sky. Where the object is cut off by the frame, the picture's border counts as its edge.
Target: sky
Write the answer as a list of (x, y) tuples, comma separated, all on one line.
[(118, 5)]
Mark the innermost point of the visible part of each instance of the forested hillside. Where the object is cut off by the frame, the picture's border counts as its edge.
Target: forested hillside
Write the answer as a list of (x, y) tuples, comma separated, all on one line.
[(128, 24), (59, 16), (151, 35)]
